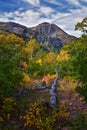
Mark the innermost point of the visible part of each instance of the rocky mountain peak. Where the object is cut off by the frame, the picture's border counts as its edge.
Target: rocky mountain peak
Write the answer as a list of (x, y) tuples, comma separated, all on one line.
[(46, 28)]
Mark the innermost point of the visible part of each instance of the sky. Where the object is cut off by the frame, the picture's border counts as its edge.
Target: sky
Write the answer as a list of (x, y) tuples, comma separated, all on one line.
[(64, 13)]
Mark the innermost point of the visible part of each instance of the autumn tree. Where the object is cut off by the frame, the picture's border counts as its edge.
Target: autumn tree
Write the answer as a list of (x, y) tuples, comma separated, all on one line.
[(49, 62), (31, 47), (11, 39), (82, 26), (63, 55)]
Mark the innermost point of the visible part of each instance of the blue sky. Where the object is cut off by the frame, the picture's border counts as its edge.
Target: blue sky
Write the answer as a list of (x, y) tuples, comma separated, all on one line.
[(64, 13)]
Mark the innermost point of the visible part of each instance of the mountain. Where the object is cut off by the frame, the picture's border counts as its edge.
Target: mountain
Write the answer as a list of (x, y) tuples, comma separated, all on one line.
[(13, 27), (50, 33), (45, 33)]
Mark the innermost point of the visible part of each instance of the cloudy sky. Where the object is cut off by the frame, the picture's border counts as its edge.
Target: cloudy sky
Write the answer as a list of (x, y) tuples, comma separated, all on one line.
[(64, 13)]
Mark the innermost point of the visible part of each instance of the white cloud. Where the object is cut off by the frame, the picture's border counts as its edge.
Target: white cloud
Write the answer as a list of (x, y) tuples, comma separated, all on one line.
[(46, 10), (69, 21), (74, 2), (33, 2), (54, 2), (28, 18), (31, 17), (84, 0)]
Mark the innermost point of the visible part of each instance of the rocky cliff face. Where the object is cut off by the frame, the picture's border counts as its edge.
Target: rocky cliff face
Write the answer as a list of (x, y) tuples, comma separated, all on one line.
[(45, 33)]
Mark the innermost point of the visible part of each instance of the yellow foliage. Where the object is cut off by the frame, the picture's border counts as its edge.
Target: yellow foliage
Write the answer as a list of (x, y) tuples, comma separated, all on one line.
[(8, 105), (2, 39), (13, 39), (50, 57), (8, 116), (32, 44), (39, 61), (27, 81), (36, 119), (31, 47), (63, 56), (1, 120), (63, 113), (26, 50), (51, 75), (68, 83), (44, 117), (6, 100), (26, 78)]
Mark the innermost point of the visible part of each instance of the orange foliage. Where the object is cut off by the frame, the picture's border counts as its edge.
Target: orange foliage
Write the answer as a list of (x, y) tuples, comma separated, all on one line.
[(47, 79), (24, 64)]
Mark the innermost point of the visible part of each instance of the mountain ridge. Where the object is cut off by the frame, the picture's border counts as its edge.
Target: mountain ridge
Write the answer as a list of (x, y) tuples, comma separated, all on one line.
[(45, 33)]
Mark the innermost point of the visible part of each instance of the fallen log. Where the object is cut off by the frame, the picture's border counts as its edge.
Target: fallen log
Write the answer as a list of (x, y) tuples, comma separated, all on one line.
[(26, 90), (42, 87), (53, 92)]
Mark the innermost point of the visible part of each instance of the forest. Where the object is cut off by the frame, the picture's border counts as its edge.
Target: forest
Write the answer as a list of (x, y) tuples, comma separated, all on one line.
[(26, 67)]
